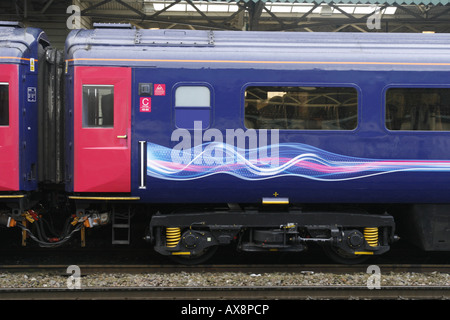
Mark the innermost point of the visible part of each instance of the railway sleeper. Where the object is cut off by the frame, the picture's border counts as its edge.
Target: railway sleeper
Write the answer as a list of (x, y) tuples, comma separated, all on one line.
[(193, 235)]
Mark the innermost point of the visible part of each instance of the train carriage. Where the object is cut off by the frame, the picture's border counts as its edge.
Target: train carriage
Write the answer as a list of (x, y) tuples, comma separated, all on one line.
[(23, 70), (268, 141), (263, 138)]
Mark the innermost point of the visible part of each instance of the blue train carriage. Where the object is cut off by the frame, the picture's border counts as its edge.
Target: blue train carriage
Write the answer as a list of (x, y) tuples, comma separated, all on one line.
[(269, 141), (23, 71)]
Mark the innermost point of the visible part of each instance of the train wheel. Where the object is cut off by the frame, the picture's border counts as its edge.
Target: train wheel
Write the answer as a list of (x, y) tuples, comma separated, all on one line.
[(340, 256), (195, 259)]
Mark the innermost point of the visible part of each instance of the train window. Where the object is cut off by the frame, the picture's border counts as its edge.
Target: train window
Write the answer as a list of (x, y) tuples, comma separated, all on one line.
[(189, 96), (301, 108), (426, 109), (98, 106), (192, 104), (4, 104)]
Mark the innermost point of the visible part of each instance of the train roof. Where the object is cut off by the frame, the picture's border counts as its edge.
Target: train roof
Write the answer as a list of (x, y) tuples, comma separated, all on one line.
[(139, 47), (17, 42)]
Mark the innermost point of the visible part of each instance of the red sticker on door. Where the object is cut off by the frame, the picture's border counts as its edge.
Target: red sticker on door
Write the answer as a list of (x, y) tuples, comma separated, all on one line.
[(146, 104), (159, 89)]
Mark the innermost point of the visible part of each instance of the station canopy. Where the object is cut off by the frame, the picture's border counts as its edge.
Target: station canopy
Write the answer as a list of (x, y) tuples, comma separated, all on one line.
[(240, 15), (389, 2)]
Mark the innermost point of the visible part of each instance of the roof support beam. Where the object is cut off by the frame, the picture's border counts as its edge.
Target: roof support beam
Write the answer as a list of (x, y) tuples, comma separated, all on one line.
[(201, 13), (254, 10), (279, 15), (47, 4), (95, 6), (126, 5)]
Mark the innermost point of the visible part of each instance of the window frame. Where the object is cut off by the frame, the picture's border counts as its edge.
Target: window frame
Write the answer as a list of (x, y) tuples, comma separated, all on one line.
[(408, 86), (210, 108), (84, 116), (8, 103), (306, 84)]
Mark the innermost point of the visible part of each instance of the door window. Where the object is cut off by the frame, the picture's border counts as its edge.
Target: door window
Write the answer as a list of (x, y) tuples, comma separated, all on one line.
[(98, 106), (4, 104)]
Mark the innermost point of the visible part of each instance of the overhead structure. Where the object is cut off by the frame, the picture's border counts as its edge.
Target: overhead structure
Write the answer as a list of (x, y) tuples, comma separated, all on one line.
[(54, 16)]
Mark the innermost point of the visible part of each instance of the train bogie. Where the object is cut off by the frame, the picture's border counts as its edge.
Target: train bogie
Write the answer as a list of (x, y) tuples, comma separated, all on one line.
[(190, 237)]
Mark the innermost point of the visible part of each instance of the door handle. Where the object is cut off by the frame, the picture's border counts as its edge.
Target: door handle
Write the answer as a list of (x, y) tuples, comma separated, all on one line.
[(122, 137)]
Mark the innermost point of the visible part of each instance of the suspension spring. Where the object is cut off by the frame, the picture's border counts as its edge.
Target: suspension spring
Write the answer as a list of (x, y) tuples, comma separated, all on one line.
[(371, 236), (173, 236)]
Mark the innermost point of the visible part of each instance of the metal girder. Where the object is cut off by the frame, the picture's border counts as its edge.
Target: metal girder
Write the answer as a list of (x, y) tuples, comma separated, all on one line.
[(260, 15), (304, 15), (378, 2), (164, 17)]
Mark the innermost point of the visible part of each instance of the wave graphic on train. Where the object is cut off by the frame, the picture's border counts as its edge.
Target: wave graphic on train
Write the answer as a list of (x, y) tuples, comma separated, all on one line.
[(286, 159)]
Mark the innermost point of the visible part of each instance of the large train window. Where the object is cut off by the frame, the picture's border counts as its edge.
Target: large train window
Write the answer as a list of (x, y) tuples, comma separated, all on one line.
[(301, 108), (4, 104), (98, 106), (192, 104), (426, 109)]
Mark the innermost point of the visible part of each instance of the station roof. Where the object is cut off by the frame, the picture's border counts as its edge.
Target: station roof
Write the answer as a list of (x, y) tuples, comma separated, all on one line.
[(388, 2), (399, 16)]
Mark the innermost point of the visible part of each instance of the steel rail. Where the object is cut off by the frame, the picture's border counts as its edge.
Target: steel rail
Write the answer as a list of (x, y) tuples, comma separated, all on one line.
[(261, 268), (231, 293)]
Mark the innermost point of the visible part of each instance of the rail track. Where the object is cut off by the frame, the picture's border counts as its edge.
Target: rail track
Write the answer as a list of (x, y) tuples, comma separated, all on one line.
[(230, 293), (253, 268), (246, 292), (137, 261)]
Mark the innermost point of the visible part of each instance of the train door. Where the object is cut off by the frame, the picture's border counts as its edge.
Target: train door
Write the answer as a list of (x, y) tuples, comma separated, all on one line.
[(102, 128), (9, 128)]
